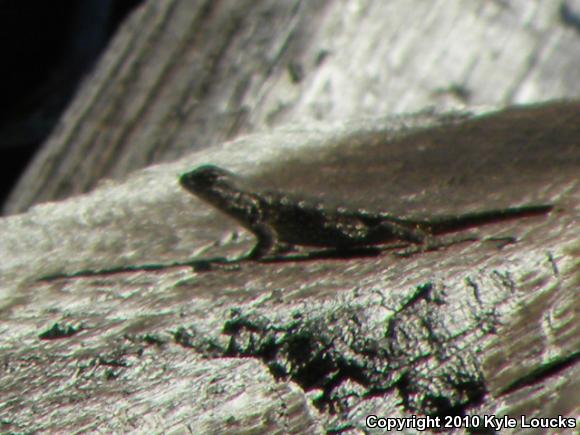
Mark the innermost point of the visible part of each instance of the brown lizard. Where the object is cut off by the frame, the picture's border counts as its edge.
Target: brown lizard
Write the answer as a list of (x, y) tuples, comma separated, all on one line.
[(279, 221)]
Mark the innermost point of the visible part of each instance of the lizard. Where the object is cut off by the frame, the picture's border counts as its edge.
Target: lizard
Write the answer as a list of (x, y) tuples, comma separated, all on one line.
[(280, 222)]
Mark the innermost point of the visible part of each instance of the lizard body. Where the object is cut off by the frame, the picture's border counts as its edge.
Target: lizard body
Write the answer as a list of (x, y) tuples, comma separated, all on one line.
[(279, 221)]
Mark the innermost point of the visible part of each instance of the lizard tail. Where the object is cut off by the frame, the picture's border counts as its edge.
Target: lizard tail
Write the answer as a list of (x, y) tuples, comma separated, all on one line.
[(444, 224)]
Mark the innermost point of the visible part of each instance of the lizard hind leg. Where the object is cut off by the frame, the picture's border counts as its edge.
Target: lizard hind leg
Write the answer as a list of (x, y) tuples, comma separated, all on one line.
[(412, 234), (432, 243), (420, 240)]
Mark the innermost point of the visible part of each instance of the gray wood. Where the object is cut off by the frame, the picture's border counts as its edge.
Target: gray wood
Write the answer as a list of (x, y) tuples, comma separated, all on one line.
[(300, 347), (303, 347), (183, 75)]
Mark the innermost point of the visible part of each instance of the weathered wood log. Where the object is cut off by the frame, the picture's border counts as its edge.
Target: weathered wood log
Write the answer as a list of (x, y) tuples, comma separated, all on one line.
[(298, 346), (333, 340)]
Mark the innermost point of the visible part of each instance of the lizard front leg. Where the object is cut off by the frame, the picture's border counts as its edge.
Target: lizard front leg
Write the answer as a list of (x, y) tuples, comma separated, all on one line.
[(267, 242)]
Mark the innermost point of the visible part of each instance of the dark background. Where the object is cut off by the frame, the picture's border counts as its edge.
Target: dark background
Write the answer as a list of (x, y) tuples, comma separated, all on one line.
[(48, 48)]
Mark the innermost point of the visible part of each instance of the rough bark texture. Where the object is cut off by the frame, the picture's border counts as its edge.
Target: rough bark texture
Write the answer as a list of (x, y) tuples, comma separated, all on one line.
[(313, 346)]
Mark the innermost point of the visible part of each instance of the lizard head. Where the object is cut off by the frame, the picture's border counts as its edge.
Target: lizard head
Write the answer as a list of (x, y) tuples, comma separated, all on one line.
[(207, 179)]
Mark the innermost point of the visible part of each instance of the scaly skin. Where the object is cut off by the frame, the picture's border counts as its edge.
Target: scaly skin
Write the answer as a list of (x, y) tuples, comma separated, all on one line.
[(279, 221)]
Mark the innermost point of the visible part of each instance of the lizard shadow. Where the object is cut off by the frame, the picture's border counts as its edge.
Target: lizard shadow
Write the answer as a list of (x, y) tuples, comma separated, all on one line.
[(332, 253), (222, 263), (401, 250)]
